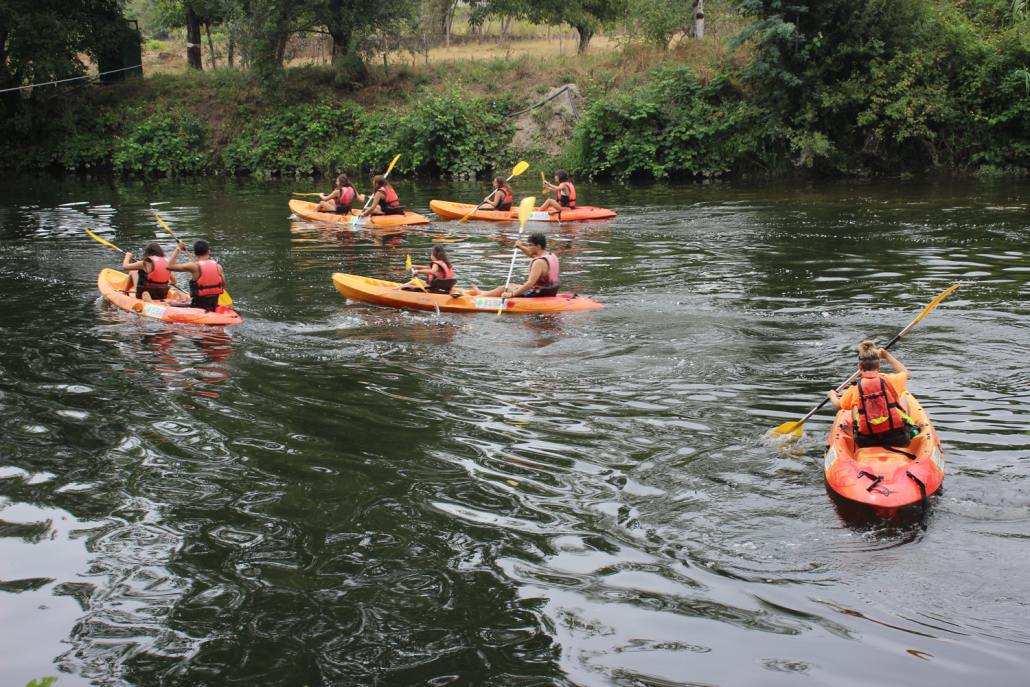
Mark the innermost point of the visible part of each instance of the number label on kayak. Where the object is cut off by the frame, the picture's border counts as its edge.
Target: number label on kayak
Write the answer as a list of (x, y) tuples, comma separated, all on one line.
[(155, 311), (489, 303)]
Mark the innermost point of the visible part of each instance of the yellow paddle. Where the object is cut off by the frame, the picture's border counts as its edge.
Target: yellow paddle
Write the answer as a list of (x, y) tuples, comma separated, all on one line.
[(520, 167), (795, 428), (223, 298), (543, 182), (107, 243), (298, 193), (389, 169), (525, 210)]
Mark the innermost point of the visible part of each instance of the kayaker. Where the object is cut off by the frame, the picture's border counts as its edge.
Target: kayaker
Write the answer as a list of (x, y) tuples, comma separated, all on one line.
[(341, 198), (564, 191), (502, 197), (384, 199), (878, 409), (207, 280), (439, 274), (149, 278), (543, 277)]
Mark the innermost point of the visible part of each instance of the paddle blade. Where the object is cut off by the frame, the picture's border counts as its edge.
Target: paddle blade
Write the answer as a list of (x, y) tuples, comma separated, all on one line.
[(519, 168), (407, 262), (935, 302), (793, 428), (103, 241), (392, 163), (525, 211), (225, 299), (298, 193), (163, 225)]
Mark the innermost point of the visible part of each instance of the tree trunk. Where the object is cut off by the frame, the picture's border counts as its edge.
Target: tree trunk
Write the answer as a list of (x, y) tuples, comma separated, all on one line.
[(193, 56), (280, 48), (699, 19), (449, 24), (348, 66), (230, 47), (585, 34), (210, 45)]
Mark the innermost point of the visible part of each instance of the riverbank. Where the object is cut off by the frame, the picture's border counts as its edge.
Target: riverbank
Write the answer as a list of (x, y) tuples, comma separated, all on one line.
[(947, 93)]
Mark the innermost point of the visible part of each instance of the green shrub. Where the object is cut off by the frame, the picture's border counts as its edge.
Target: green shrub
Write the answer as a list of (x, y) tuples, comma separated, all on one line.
[(169, 143), (673, 126), (302, 139)]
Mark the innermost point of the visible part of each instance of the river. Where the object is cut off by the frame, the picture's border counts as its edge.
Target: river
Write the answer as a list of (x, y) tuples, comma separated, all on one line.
[(333, 493)]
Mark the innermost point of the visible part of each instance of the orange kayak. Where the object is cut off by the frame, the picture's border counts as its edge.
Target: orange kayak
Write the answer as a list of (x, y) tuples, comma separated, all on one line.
[(111, 282), (448, 210), (388, 293), (304, 209), (879, 477)]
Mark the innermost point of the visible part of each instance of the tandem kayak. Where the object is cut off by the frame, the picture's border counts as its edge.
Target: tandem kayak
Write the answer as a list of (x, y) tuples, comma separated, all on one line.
[(303, 208), (448, 210), (886, 479), (391, 294), (111, 282)]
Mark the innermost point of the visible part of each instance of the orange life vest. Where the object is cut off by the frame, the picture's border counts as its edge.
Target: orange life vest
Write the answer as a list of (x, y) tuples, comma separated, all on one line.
[(209, 283), (445, 271), (877, 411), (389, 199), (568, 198), (158, 275)]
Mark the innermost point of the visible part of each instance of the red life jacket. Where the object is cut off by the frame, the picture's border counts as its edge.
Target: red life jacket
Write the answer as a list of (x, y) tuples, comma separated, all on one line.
[(550, 280), (159, 274), (209, 283), (346, 197), (445, 271), (568, 199), (389, 199), (877, 410)]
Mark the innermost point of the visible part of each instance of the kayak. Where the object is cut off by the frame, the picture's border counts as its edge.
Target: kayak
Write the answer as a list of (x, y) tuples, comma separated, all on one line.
[(111, 282), (303, 208), (448, 210), (883, 478), (391, 294)]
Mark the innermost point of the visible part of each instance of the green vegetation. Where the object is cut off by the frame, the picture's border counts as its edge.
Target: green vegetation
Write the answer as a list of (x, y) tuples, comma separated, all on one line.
[(846, 87)]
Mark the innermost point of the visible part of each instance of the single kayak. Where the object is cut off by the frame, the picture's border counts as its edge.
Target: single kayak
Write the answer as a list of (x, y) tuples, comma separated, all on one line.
[(886, 479), (448, 210), (111, 282), (306, 210), (391, 294)]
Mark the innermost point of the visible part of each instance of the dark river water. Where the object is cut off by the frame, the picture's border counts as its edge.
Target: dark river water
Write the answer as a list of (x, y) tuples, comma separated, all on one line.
[(341, 494)]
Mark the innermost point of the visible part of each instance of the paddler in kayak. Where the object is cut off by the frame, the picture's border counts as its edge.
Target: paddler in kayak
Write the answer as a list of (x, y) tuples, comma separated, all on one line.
[(878, 409), (564, 191), (384, 199), (207, 280), (439, 274), (543, 277), (149, 278), (341, 198), (501, 198)]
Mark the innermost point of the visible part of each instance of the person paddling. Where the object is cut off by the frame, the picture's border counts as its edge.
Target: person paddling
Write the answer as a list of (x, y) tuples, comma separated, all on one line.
[(207, 280), (439, 274), (878, 408), (564, 191), (341, 198), (502, 197), (149, 278), (384, 199), (543, 277)]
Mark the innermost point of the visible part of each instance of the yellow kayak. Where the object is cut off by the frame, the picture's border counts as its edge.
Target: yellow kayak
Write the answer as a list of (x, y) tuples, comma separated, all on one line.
[(391, 294), (111, 282)]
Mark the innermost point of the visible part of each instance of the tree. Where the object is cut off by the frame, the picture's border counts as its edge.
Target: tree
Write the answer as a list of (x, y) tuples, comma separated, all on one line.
[(41, 40), (586, 16)]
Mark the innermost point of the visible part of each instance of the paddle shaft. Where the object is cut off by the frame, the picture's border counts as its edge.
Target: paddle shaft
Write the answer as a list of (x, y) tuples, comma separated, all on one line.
[(926, 311)]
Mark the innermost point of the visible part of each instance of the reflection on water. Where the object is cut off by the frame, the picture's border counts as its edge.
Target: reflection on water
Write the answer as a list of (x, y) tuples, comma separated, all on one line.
[(335, 493)]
